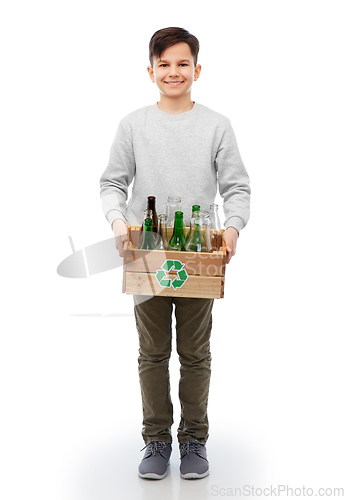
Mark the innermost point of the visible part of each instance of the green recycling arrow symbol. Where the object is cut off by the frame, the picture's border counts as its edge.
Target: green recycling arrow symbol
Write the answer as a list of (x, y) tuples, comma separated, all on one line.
[(171, 266)]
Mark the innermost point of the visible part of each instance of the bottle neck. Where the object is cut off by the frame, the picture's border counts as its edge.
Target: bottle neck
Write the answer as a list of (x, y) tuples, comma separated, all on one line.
[(196, 225), (162, 227), (215, 221), (178, 226), (151, 205), (148, 225)]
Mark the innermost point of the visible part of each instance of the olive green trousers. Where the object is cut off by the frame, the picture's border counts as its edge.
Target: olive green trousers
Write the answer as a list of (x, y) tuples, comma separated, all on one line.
[(153, 318)]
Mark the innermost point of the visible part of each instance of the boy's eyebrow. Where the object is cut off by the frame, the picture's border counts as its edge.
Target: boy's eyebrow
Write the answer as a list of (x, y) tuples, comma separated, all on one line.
[(162, 60)]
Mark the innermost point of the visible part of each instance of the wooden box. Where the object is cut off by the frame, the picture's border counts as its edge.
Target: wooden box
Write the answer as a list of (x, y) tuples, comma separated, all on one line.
[(171, 273)]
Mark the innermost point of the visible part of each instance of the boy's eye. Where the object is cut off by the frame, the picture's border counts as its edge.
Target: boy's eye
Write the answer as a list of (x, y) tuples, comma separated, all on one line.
[(182, 64)]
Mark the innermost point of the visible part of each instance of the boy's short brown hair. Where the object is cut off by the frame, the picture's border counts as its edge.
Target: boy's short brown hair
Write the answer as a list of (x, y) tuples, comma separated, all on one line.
[(166, 37)]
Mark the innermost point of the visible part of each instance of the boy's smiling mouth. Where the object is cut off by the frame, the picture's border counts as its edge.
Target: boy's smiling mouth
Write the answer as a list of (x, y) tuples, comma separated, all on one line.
[(173, 83)]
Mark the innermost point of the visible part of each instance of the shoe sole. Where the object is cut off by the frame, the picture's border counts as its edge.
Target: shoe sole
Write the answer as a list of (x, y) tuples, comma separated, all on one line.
[(194, 475), (152, 475)]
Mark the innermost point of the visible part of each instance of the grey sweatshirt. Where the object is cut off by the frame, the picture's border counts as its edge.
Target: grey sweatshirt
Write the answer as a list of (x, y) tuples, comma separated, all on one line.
[(175, 155)]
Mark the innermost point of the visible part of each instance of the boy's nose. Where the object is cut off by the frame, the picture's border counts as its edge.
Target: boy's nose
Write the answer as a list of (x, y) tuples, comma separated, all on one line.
[(173, 71)]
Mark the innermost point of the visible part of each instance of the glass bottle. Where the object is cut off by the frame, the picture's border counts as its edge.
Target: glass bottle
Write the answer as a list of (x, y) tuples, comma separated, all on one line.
[(196, 241), (206, 224), (195, 208), (216, 234), (178, 241), (147, 215), (173, 206), (162, 238), (151, 205), (206, 236), (148, 238)]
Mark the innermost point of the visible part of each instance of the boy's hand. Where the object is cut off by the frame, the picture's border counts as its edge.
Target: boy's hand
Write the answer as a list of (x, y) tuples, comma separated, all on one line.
[(230, 239), (121, 234)]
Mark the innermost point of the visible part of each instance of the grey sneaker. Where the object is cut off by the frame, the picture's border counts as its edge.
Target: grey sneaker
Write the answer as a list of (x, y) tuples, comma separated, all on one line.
[(194, 463), (155, 461)]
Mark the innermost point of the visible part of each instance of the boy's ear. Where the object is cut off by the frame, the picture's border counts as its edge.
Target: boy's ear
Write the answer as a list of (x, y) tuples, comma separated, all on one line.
[(197, 71), (151, 73)]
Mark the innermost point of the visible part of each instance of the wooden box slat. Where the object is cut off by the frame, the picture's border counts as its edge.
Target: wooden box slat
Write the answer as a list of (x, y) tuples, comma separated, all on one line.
[(204, 264), (195, 286)]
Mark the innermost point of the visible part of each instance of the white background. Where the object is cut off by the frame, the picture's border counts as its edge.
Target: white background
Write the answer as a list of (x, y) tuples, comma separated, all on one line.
[(71, 409)]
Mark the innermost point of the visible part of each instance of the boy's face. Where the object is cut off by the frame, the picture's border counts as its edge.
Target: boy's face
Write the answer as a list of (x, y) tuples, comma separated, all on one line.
[(176, 64)]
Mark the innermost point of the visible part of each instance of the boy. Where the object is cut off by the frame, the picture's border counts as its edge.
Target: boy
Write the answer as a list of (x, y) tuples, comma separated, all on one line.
[(175, 147)]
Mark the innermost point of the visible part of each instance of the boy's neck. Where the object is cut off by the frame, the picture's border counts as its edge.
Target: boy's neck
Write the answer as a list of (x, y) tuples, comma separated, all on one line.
[(175, 106)]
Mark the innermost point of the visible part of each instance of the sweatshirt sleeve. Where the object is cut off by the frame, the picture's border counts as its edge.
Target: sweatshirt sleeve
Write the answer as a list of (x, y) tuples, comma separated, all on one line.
[(233, 181), (118, 175)]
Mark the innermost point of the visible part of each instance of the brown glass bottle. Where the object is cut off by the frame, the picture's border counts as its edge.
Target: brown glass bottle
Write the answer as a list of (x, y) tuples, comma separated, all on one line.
[(151, 205)]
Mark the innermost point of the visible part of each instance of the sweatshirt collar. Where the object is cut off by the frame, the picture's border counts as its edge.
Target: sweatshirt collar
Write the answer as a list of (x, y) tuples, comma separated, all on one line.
[(176, 118)]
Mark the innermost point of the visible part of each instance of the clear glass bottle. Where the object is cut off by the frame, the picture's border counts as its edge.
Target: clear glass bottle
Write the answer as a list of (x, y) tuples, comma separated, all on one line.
[(178, 241), (196, 241), (216, 234), (148, 242), (162, 238), (173, 205), (206, 222)]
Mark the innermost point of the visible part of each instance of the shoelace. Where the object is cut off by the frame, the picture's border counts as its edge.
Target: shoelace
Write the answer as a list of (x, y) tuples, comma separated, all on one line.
[(155, 447), (190, 447)]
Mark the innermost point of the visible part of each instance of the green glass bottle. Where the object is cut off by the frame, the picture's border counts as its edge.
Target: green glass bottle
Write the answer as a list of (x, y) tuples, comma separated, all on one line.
[(195, 208), (147, 215), (196, 241), (148, 237), (178, 241)]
